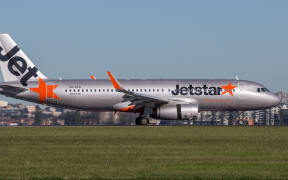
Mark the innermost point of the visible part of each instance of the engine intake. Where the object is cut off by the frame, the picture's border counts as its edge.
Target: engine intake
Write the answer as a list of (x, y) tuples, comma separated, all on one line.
[(176, 112)]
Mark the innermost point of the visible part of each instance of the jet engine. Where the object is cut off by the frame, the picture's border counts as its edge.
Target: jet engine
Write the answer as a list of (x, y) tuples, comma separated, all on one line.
[(176, 111)]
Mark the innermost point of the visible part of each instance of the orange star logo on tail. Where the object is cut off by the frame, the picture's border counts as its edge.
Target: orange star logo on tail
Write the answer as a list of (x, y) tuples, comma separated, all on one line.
[(228, 89), (45, 91)]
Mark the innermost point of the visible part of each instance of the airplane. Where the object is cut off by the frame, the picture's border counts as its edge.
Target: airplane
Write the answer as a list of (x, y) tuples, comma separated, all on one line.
[(169, 99)]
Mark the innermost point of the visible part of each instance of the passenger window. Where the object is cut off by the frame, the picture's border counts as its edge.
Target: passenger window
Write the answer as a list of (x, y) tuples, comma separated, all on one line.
[(107, 90), (112, 90), (65, 90)]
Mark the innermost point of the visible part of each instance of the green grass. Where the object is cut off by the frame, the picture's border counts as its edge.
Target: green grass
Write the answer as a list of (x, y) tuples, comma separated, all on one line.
[(144, 152)]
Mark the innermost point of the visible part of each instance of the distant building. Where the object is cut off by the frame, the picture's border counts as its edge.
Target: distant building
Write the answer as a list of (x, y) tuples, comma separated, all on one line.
[(31, 109), (3, 104), (284, 117), (283, 96)]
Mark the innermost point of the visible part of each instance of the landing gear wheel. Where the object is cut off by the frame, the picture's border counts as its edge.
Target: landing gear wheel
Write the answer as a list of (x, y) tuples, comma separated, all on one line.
[(142, 121)]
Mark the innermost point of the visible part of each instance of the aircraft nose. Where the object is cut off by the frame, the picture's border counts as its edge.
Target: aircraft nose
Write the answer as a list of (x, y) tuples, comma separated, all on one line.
[(274, 100)]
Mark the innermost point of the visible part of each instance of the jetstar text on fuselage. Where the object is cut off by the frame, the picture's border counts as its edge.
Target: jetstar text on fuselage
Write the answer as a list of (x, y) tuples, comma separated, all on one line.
[(197, 90)]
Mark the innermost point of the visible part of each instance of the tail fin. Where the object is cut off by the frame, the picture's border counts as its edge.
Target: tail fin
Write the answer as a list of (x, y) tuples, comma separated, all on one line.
[(15, 65)]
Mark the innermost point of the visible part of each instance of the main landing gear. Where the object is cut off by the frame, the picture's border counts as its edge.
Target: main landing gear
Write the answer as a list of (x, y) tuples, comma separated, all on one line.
[(142, 121), (144, 117)]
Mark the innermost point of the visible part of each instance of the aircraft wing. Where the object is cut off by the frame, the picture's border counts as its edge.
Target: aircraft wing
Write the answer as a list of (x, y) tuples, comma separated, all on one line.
[(136, 97)]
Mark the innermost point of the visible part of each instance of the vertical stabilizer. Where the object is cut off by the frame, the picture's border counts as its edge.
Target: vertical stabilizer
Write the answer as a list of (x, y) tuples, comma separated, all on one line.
[(15, 65)]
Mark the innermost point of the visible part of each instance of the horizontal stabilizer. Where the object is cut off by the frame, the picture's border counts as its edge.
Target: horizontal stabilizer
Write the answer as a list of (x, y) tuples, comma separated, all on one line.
[(11, 90)]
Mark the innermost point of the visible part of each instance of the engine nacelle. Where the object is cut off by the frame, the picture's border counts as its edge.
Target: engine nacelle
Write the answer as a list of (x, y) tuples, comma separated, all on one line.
[(176, 111)]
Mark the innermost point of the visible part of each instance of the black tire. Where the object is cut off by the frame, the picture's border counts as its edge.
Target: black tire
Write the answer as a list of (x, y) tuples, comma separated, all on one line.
[(138, 121), (141, 121)]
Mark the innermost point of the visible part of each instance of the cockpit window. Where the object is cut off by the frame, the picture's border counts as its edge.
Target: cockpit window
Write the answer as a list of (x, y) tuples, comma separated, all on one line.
[(262, 90)]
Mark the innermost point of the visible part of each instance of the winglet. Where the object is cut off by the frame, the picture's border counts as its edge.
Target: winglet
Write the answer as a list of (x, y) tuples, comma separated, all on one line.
[(114, 81), (92, 77)]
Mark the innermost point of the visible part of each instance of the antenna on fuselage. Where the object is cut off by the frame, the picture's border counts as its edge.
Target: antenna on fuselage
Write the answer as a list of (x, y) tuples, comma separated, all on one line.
[(236, 77)]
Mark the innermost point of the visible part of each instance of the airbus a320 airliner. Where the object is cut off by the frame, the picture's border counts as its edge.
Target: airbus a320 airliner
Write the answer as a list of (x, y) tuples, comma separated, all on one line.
[(170, 99)]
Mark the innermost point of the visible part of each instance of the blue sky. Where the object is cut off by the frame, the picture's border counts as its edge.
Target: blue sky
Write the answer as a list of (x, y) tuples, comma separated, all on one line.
[(154, 39)]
